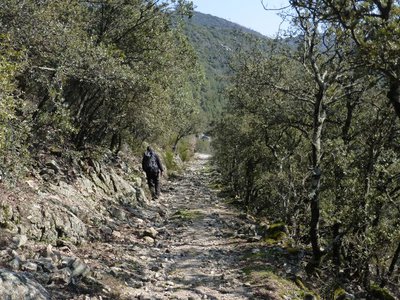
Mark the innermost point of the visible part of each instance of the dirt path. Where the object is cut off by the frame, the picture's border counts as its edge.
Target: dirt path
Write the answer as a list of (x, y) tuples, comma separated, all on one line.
[(196, 252)]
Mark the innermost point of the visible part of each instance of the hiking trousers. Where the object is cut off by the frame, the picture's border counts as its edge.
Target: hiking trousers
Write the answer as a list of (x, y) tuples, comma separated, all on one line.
[(153, 181)]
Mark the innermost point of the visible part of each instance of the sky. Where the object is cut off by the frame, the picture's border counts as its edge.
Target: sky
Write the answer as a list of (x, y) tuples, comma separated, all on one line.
[(248, 13)]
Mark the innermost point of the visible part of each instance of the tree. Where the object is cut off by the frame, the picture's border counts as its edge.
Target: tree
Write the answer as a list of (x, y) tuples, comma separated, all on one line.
[(112, 74), (373, 27), (374, 32), (303, 108)]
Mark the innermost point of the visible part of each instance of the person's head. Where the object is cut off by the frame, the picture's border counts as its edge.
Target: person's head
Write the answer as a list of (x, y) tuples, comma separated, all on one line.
[(149, 148)]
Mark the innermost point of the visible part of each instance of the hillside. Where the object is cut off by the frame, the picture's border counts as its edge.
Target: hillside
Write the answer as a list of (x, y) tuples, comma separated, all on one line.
[(215, 41)]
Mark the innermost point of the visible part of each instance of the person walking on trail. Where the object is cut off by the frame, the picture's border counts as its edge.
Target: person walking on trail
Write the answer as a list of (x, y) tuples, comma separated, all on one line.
[(151, 164)]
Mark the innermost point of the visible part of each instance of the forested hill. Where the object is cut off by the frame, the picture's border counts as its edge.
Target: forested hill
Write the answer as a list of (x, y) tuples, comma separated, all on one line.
[(215, 41)]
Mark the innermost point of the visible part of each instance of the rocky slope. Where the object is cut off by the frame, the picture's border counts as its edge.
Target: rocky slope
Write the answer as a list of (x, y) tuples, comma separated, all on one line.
[(60, 210), (98, 237)]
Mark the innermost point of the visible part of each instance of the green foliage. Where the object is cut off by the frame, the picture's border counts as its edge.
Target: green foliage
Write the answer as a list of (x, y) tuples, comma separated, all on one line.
[(257, 144), (175, 159), (185, 149), (263, 150), (216, 42), (106, 73), (13, 130), (171, 162)]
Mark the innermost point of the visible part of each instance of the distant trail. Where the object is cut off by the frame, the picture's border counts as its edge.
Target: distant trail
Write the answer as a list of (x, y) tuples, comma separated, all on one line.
[(196, 253)]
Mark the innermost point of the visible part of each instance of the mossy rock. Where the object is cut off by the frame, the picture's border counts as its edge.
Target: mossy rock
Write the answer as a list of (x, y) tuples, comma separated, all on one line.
[(269, 242), (380, 293), (187, 215), (341, 294), (307, 293), (338, 294), (6, 214), (258, 272), (255, 256), (277, 232)]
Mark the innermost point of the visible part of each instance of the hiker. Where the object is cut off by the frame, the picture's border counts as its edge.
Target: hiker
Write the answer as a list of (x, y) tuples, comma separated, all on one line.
[(151, 164)]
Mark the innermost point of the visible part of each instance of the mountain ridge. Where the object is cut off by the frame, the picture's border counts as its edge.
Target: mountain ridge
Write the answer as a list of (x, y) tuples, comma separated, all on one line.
[(210, 20)]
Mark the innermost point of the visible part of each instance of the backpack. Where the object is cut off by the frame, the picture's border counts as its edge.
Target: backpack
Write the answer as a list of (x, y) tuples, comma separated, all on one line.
[(151, 164)]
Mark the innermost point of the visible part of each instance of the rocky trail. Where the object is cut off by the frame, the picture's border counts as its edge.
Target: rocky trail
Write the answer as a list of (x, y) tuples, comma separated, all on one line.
[(195, 253), (185, 245), (100, 238), (189, 244), (182, 246)]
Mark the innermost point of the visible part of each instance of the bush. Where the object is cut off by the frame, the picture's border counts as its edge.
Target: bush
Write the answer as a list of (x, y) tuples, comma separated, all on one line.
[(186, 149), (171, 162), (13, 131)]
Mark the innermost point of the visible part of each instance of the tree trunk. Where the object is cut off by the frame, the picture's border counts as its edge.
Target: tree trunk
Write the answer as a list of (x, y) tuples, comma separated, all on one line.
[(337, 244), (392, 266), (394, 95), (319, 118), (249, 182), (175, 145), (349, 117), (314, 223)]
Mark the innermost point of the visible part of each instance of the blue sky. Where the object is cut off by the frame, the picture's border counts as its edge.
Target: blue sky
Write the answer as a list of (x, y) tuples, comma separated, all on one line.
[(248, 13)]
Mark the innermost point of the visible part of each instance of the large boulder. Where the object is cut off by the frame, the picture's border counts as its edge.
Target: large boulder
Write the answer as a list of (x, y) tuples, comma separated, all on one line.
[(16, 286), (49, 221), (64, 210)]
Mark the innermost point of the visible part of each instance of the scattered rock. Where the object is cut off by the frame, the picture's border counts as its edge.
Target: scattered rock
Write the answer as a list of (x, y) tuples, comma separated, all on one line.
[(150, 232), (195, 258), (20, 240), (148, 240), (30, 266), (15, 264), (79, 268), (155, 268), (61, 276), (52, 165), (49, 251), (254, 239), (117, 213), (33, 185), (46, 264), (117, 234), (106, 230)]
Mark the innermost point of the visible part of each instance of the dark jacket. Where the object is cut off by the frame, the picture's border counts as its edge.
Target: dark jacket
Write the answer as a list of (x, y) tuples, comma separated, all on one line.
[(146, 159)]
